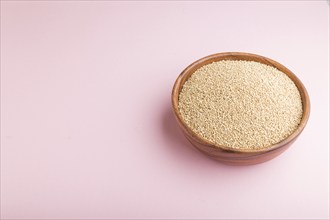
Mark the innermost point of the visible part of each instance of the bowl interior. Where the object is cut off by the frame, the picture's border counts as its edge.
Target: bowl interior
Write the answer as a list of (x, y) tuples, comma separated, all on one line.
[(184, 76)]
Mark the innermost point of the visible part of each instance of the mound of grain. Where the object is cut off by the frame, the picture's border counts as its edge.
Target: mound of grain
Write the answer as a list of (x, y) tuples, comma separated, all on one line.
[(240, 104)]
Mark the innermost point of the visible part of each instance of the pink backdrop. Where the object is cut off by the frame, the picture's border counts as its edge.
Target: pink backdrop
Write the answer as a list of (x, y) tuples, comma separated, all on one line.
[(86, 124)]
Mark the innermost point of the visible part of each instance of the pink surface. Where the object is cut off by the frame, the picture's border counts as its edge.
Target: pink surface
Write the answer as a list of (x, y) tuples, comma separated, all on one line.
[(86, 124)]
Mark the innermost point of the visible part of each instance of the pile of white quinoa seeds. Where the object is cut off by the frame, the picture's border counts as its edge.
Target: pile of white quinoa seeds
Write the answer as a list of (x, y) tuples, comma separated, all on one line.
[(240, 104)]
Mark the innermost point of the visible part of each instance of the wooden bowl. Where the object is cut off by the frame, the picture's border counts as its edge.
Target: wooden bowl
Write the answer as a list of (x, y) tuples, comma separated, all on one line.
[(225, 154)]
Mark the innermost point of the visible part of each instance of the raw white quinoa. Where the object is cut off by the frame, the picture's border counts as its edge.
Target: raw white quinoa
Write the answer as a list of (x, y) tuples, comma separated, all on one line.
[(240, 104)]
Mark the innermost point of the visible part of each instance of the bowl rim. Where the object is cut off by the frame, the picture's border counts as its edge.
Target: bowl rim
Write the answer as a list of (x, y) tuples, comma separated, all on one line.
[(233, 56)]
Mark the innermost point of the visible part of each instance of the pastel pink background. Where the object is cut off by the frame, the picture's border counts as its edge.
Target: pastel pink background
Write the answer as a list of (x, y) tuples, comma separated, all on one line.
[(87, 129)]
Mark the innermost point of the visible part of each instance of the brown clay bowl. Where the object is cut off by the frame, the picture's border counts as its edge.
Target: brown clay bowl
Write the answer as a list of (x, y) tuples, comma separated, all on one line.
[(225, 154)]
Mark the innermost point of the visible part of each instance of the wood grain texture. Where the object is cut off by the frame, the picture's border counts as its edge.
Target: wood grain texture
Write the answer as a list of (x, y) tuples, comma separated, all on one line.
[(223, 153)]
